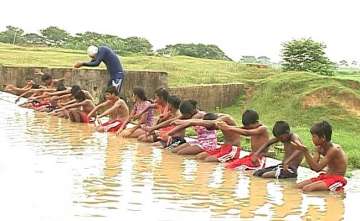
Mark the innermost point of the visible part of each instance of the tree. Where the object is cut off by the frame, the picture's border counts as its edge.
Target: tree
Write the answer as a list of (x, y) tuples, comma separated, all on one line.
[(138, 45), (264, 60), (34, 39), (195, 50), (55, 36), (306, 55), (248, 59), (12, 35), (343, 63)]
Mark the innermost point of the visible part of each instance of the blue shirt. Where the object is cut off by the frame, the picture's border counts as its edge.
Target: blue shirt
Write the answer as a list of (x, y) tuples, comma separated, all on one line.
[(111, 61)]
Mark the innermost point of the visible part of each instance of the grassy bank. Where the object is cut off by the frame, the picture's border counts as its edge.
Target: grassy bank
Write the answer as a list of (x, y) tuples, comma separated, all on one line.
[(302, 99)]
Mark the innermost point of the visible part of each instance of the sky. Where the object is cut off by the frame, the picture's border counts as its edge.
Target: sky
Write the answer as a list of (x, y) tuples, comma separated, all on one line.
[(238, 27)]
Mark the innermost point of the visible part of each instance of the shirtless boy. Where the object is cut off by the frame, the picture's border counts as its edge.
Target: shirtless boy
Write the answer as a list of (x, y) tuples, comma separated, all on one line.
[(327, 154), (116, 108), (292, 156), (258, 136)]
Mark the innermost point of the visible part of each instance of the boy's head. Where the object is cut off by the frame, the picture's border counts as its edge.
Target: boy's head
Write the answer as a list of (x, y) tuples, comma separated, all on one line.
[(174, 103), (188, 108), (47, 79), (281, 130), (139, 93), (111, 93), (161, 95), (29, 81), (80, 96), (60, 87), (321, 133), (211, 116), (74, 89), (35, 86), (250, 117)]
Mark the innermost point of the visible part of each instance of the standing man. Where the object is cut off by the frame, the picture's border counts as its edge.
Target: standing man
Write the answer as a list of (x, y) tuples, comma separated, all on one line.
[(112, 62)]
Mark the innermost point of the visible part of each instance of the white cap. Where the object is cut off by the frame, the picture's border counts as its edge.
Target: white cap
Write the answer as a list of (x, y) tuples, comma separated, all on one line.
[(92, 50)]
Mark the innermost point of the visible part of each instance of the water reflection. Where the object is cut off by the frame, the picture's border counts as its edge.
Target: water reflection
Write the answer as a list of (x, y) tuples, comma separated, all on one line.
[(105, 177)]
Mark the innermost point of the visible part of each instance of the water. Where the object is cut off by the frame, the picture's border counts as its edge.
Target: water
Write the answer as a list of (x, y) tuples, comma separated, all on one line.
[(52, 169)]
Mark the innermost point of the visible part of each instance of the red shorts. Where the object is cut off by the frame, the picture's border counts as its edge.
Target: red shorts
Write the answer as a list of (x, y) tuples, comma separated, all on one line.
[(84, 117), (213, 152), (163, 132), (112, 125), (40, 104), (333, 182), (247, 163), (227, 152)]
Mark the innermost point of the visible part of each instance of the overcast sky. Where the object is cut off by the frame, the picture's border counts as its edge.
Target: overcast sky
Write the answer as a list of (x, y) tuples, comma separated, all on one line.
[(239, 27)]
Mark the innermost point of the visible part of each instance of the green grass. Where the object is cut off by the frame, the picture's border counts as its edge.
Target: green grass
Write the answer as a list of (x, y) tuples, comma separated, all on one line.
[(277, 95), (182, 70), (280, 97)]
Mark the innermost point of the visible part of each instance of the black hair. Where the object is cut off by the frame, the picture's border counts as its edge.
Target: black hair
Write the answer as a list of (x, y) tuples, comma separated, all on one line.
[(28, 78), (60, 87), (74, 89), (46, 77), (112, 90), (174, 101), (80, 96), (322, 129), (210, 116), (250, 117), (162, 93), (194, 103), (35, 86), (140, 93), (187, 107), (281, 128)]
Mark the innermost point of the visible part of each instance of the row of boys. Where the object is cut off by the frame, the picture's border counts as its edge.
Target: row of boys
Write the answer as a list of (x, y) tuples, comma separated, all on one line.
[(168, 131)]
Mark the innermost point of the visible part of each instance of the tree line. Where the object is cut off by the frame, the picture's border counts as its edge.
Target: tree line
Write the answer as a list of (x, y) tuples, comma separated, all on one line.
[(56, 37)]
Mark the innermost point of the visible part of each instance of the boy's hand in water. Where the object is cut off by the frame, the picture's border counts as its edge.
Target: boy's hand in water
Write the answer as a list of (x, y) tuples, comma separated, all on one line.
[(119, 131), (97, 120), (286, 167), (169, 141), (254, 158), (125, 133)]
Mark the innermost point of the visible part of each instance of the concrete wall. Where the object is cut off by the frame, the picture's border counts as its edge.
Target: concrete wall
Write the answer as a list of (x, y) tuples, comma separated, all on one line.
[(211, 97), (93, 80)]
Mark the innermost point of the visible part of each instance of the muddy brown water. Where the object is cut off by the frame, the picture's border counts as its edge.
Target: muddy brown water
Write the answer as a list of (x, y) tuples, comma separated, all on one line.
[(52, 169)]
